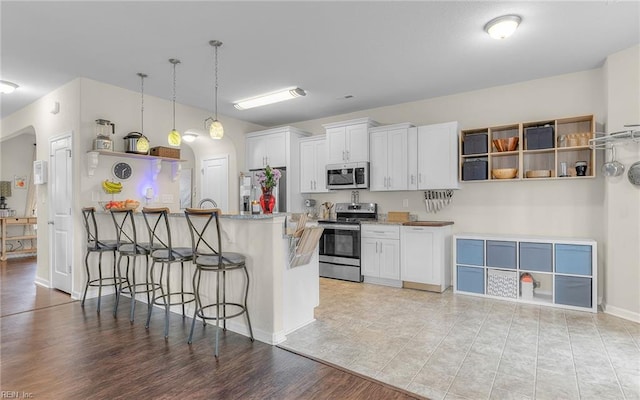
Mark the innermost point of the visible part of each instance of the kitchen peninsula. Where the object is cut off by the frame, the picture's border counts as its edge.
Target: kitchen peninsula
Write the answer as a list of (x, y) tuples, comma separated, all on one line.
[(281, 298)]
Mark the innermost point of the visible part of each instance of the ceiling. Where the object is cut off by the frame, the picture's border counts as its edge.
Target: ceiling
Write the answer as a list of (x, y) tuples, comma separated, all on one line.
[(381, 53)]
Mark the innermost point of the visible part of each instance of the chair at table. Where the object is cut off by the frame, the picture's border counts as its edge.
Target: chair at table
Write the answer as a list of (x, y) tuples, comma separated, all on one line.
[(131, 248), (166, 254), (96, 245), (208, 257)]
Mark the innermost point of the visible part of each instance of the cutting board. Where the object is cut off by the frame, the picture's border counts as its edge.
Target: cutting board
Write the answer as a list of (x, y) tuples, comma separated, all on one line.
[(398, 216)]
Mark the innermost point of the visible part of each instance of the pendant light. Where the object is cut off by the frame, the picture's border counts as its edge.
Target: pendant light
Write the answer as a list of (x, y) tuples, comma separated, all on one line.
[(174, 137), (142, 145), (216, 130)]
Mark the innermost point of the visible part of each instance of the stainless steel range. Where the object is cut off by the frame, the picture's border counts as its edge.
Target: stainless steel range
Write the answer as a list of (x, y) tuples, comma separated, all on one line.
[(340, 241)]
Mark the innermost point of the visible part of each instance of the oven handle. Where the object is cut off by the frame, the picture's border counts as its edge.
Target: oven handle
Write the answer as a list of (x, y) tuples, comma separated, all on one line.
[(340, 227)]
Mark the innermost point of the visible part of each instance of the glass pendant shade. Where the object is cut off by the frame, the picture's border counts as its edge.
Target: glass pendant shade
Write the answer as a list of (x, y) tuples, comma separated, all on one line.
[(142, 145), (216, 130)]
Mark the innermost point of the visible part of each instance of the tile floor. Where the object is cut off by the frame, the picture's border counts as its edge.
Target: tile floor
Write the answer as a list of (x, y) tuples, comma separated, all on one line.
[(446, 346)]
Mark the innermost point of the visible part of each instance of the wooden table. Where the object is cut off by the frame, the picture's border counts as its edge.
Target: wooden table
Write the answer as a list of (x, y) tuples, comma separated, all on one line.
[(14, 221)]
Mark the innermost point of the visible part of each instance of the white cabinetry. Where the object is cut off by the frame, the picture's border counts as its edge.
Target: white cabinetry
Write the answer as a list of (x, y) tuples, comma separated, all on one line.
[(380, 249), (388, 157), (437, 156), (348, 141), (426, 257), (278, 147), (263, 150), (313, 159)]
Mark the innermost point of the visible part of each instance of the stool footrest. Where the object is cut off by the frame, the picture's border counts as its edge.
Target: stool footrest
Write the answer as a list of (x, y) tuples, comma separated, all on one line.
[(200, 311), (160, 300)]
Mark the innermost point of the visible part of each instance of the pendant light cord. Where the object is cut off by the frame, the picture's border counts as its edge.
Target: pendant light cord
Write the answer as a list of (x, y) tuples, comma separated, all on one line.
[(174, 96), (216, 84), (142, 76)]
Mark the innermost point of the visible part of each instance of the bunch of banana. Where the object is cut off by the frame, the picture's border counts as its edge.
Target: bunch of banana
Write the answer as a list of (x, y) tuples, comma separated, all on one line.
[(111, 187)]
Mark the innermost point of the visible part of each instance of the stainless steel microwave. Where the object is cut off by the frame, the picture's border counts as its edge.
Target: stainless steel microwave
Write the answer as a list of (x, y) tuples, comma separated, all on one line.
[(348, 176)]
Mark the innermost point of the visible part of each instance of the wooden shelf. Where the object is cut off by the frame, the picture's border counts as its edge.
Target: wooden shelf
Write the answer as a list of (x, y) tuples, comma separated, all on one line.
[(15, 221), (576, 131)]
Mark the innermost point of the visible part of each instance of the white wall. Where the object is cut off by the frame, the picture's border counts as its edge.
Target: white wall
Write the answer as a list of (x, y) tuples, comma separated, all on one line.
[(622, 266)]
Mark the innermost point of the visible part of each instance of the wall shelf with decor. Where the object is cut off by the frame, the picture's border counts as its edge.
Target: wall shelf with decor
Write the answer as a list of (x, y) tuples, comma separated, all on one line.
[(93, 159), (539, 150)]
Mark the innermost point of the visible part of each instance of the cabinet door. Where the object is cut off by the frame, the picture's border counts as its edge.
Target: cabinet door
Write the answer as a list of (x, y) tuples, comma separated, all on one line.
[(418, 253), (307, 166), (370, 259), (378, 162), (357, 146), (389, 259), (320, 183), (438, 156), (397, 160), (336, 142), (412, 159), (255, 152), (275, 150)]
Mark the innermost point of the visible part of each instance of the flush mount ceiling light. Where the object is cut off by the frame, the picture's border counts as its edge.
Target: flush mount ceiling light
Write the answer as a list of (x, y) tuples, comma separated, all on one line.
[(502, 27), (269, 98), (174, 137), (189, 136), (216, 130), (7, 87)]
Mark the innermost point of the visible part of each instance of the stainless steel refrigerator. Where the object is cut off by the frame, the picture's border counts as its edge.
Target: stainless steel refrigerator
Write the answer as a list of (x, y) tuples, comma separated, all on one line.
[(280, 191)]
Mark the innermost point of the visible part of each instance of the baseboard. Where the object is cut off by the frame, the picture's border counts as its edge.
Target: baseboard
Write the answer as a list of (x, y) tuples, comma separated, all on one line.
[(43, 282), (621, 312), (288, 331), (383, 281)]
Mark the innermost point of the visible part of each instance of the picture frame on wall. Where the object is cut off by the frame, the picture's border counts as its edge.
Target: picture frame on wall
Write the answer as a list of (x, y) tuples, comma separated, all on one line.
[(20, 182)]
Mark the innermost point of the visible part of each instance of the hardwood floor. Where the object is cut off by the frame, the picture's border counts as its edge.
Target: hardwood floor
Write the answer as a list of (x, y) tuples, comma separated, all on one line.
[(61, 350)]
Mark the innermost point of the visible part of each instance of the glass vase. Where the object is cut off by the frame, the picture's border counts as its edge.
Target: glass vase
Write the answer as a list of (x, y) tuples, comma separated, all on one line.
[(267, 201)]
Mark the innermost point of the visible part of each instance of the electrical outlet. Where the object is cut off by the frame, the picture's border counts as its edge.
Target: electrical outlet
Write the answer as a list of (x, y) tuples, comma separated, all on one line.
[(405, 203)]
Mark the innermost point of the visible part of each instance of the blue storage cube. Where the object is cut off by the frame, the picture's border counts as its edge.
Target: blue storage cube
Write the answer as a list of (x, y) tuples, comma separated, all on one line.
[(536, 256), (470, 251), (573, 291), (501, 254), (470, 279), (573, 259)]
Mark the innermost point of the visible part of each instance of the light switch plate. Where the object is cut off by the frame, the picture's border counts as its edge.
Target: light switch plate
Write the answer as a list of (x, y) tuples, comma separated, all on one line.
[(167, 198), (405, 203)]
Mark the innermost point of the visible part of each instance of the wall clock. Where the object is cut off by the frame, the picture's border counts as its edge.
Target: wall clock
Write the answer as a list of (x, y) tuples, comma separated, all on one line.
[(122, 170)]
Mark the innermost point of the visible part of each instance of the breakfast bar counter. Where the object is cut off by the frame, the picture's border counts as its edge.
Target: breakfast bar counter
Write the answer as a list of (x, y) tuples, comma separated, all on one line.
[(281, 298)]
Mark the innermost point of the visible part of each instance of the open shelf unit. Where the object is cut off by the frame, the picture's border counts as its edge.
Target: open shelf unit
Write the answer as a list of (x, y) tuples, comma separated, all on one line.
[(93, 158), (8, 222), (569, 143), (564, 270)]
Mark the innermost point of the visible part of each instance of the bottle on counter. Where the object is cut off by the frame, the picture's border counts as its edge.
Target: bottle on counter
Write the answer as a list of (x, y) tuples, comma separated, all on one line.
[(255, 201)]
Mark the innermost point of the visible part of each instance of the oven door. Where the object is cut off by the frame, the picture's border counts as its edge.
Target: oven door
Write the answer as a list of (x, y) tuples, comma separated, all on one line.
[(340, 244)]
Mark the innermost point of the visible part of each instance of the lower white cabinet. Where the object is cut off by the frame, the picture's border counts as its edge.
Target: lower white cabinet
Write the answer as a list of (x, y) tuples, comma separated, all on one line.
[(426, 257), (380, 254)]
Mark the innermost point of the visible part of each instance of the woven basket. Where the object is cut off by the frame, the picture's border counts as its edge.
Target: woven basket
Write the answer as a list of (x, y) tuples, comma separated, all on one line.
[(167, 152)]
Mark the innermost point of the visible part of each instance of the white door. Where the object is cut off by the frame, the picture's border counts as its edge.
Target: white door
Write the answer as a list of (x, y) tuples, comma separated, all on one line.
[(378, 163), (307, 166), (215, 181), (336, 141), (397, 160), (358, 143), (61, 223)]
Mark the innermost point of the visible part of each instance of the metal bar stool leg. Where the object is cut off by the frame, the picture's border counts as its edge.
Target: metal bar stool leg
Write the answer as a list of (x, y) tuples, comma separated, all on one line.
[(246, 296), (153, 295), (99, 277), (167, 302), (133, 289), (196, 286), (86, 264)]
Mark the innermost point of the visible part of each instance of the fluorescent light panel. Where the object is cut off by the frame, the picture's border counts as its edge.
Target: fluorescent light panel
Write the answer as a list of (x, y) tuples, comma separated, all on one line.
[(269, 98)]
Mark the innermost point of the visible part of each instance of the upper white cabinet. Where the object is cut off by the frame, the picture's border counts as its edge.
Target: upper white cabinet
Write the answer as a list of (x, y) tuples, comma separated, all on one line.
[(437, 157), (426, 257), (313, 159), (263, 150), (348, 141), (388, 146), (278, 147)]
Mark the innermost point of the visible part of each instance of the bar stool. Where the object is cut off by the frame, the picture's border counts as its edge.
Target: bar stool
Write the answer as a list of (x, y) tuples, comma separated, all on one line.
[(210, 258), (164, 253), (95, 245), (130, 248)]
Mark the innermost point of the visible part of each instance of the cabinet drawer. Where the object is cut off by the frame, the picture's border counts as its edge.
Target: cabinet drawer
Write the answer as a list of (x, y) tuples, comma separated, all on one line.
[(381, 231), (470, 279), (20, 221), (536, 256), (573, 259), (501, 254), (573, 291), (470, 251)]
